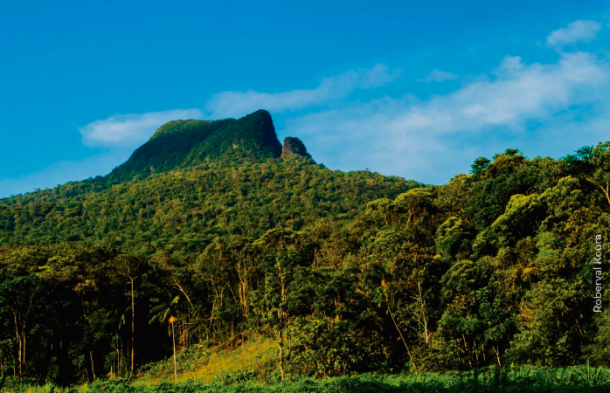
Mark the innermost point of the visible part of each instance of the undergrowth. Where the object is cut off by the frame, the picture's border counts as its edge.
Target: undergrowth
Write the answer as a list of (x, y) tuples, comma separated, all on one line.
[(256, 357), (490, 380)]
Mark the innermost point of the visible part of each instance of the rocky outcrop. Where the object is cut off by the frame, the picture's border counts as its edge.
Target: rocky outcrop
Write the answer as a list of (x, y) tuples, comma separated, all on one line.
[(293, 146)]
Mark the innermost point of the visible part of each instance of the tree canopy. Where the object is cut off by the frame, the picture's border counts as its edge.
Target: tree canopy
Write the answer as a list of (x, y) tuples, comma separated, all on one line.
[(347, 272)]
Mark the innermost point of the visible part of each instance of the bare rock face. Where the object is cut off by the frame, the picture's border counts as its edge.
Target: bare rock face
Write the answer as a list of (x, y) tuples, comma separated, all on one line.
[(293, 146)]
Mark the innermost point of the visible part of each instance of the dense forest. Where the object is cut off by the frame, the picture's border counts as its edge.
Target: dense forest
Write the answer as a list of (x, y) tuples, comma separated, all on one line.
[(346, 273)]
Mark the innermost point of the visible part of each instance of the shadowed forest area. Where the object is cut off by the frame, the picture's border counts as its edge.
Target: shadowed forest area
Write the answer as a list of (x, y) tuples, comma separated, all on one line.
[(346, 280)]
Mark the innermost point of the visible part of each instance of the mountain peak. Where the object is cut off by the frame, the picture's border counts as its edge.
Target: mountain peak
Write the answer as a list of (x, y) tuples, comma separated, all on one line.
[(293, 146), (183, 143), (177, 126)]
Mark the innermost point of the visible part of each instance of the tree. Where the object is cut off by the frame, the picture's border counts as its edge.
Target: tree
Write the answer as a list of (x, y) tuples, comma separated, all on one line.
[(166, 310), (22, 296), (593, 163), (281, 253), (479, 165), (131, 267)]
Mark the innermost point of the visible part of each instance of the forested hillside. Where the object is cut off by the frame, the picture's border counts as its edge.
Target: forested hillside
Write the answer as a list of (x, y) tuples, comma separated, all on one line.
[(345, 272), (204, 186), (187, 209)]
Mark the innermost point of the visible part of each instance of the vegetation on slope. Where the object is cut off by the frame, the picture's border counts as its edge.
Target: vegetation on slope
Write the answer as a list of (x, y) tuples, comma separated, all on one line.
[(294, 146), (185, 210), (490, 380), (184, 143), (346, 273), (254, 359)]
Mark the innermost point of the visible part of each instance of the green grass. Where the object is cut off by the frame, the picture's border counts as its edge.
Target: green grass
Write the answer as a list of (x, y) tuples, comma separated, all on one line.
[(491, 380)]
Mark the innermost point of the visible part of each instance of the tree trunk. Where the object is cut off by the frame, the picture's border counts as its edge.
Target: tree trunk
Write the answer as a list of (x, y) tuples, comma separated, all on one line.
[(133, 323), (606, 192), (92, 367), (174, 340), (497, 352), (24, 342), (19, 341), (424, 317), (400, 333), (281, 354)]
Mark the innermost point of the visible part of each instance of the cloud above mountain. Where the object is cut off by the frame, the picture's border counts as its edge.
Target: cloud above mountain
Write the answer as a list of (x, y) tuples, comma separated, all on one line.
[(543, 108), (534, 106), (333, 89), (131, 130)]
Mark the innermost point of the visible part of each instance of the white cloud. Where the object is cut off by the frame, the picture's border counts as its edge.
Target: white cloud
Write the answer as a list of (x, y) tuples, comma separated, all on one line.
[(131, 130), (539, 108), (119, 134), (237, 103), (426, 140), (580, 30), (439, 76)]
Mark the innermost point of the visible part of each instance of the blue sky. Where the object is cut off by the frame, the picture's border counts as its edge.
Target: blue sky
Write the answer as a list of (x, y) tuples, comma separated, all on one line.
[(414, 89)]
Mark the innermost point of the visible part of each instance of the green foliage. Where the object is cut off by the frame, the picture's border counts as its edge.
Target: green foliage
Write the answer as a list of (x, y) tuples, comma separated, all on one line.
[(342, 273), (184, 211), (184, 143), (523, 380)]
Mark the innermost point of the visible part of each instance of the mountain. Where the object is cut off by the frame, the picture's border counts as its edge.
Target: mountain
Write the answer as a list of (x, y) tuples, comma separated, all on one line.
[(194, 181), (186, 143)]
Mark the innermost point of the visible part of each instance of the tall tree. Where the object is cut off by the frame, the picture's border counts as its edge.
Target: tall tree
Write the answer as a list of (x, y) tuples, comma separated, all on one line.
[(131, 267)]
